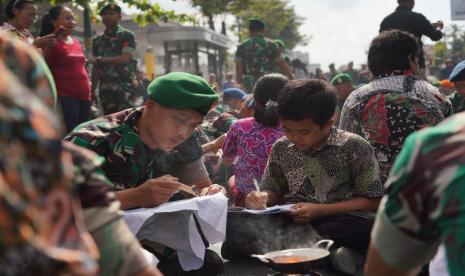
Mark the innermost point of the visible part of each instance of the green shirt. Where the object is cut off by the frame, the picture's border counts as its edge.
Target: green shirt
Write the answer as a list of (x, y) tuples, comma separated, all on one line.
[(424, 203), (258, 55), (111, 44), (128, 161)]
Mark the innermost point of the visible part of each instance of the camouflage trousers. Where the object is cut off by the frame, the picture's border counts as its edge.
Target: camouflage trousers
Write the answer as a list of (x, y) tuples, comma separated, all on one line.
[(113, 101)]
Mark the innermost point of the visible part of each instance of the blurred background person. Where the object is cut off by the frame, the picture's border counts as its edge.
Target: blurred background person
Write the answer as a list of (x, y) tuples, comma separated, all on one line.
[(21, 14), (67, 63)]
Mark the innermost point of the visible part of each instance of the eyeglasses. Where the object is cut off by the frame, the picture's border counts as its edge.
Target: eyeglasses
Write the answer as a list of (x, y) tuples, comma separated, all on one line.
[(34, 17)]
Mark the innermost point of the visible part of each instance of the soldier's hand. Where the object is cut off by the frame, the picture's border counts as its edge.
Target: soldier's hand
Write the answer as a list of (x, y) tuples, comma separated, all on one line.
[(157, 191), (212, 189)]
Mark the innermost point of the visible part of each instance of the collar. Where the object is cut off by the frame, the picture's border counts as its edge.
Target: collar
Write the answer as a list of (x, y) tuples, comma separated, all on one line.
[(334, 139), (22, 34), (115, 31), (396, 73), (402, 8), (132, 117)]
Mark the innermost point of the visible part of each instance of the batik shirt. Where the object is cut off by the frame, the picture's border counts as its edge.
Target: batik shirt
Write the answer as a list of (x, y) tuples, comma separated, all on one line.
[(35, 176), (128, 161), (458, 102), (248, 145), (424, 204), (388, 109), (258, 56), (342, 168)]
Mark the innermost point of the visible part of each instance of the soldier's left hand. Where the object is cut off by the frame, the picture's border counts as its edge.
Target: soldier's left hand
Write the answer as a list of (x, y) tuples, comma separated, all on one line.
[(213, 189)]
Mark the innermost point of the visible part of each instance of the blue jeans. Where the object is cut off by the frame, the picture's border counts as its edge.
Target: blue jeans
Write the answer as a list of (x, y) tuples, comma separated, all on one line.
[(75, 111)]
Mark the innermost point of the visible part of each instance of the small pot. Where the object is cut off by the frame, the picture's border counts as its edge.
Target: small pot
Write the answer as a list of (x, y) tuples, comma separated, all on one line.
[(299, 260)]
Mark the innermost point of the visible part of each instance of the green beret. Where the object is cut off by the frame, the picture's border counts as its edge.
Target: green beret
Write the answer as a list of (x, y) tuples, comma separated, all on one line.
[(111, 7), (280, 43), (256, 23), (183, 91), (341, 78)]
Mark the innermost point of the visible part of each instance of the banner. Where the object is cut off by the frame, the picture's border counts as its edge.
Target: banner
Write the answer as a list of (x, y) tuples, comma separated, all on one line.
[(457, 9)]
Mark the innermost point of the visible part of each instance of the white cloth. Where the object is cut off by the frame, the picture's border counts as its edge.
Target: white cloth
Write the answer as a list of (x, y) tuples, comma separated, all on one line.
[(172, 224), (438, 265)]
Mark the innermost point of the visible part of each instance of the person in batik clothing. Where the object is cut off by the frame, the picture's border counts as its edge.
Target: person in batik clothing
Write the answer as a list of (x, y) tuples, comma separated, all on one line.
[(397, 102), (249, 141)]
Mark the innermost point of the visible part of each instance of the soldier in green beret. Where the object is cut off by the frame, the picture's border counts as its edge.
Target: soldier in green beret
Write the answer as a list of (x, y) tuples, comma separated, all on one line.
[(114, 71), (258, 56), (150, 150), (343, 84)]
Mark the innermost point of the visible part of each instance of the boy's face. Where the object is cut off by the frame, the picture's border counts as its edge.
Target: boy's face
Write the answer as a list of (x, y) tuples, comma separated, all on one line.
[(306, 134)]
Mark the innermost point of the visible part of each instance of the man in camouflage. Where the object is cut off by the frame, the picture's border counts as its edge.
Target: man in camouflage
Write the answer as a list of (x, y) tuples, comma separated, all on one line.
[(151, 150), (258, 56), (120, 253), (424, 203), (114, 64)]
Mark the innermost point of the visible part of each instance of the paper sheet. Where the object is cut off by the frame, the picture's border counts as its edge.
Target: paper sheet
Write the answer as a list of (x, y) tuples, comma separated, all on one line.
[(172, 224), (271, 210)]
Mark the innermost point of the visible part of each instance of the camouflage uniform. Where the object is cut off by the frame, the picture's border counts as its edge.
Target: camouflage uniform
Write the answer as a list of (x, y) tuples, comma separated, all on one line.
[(129, 162), (458, 102), (258, 56), (33, 179), (117, 82), (119, 250), (425, 199), (218, 121)]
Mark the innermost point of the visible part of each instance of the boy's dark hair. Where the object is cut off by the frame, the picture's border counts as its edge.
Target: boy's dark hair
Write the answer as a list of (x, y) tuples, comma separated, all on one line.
[(265, 95), (390, 51), (307, 98), (16, 4), (46, 26)]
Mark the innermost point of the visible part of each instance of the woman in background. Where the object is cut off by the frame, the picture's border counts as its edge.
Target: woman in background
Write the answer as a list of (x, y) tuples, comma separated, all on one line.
[(249, 141), (21, 14), (67, 63)]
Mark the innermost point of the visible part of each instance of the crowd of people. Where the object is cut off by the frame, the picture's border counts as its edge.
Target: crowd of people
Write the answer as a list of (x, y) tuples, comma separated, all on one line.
[(370, 159)]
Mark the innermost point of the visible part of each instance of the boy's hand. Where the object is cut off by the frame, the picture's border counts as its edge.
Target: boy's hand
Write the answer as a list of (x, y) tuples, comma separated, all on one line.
[(256, 200), (306, 212)]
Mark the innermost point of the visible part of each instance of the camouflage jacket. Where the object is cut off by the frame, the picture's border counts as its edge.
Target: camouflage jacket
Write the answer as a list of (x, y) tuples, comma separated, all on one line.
[(218, 121), (424, 203), (258, 55), (129, 162), (111, 44)]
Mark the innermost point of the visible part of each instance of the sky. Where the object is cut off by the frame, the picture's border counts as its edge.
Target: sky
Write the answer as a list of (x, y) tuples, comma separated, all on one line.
[(341, 30)]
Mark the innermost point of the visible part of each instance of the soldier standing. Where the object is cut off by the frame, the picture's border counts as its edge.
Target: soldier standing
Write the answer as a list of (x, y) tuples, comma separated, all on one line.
[(258, 56), (114, 65)]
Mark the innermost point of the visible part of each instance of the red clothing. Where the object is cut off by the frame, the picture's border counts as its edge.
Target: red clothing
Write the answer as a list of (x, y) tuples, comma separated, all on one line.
[(67, 63)]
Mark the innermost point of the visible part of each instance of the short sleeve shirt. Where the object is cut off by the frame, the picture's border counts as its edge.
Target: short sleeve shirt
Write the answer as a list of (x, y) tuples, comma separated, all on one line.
[(249, 143), (128, 161), (388, 109), (111, 44), (424, 203), (341, 169)]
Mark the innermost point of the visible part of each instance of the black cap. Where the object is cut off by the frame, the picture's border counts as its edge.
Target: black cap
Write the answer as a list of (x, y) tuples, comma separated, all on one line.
[(111, 7)]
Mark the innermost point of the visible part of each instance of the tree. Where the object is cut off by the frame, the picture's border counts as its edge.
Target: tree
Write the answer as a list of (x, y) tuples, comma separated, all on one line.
[(456, 37)]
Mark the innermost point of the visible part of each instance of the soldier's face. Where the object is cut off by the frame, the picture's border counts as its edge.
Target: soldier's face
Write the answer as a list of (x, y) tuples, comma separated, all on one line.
[(110, 18), (166, 128)]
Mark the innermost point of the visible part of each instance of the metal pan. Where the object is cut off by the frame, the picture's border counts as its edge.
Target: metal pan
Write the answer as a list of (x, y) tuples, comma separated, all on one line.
[(299, 260)]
